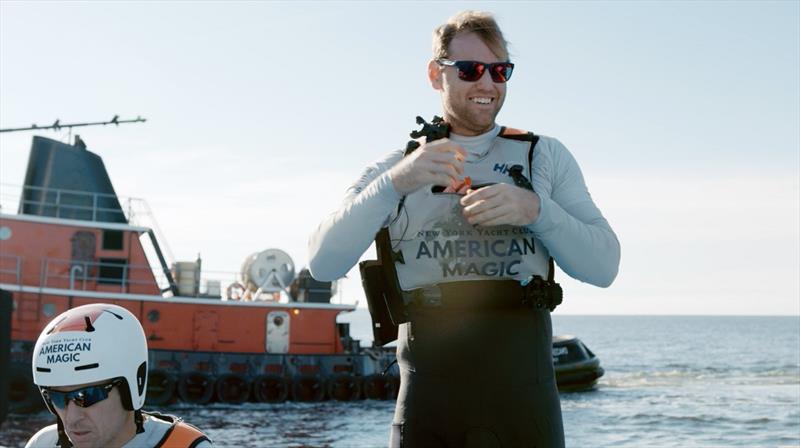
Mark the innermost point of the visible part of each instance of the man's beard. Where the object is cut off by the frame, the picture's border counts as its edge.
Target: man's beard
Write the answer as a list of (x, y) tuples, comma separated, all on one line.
[(459, 116)]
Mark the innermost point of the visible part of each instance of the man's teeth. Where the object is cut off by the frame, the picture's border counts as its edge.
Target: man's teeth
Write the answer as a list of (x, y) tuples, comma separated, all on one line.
[(481, 100)]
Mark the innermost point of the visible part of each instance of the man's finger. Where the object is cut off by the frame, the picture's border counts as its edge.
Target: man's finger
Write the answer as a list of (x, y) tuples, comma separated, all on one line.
[(443, 180), (443, 157), (497, 221), (446, 145), (503, 214), (484, 211), (456, 166), (481, 194)]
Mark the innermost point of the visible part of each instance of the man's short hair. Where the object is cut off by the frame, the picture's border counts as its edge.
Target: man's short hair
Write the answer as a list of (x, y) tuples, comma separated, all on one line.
[(479, 22)]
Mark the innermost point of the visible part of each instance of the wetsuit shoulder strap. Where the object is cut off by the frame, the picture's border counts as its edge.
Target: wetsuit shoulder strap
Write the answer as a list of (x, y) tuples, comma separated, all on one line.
[(182, 435), (525, 136)]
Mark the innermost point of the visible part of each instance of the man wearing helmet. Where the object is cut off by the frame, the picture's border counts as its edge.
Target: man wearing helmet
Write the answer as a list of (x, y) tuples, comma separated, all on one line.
[(90, 364)]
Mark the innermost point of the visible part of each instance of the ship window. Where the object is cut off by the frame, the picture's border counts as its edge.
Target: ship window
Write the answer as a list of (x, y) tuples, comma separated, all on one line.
[(112, 239), (112, 271)]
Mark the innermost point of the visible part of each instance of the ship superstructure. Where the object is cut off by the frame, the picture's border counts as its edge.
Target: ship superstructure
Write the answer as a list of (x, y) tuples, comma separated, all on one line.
[(263, 334)]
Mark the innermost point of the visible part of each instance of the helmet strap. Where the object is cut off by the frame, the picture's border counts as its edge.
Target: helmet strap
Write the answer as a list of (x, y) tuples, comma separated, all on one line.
[(63, 439), (139, 419)]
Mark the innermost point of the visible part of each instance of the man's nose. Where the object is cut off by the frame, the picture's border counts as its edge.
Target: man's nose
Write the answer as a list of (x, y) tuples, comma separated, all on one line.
[(485, 81), (72, 412)]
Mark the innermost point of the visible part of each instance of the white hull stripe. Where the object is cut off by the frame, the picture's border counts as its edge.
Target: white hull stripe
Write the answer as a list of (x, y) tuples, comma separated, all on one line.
[(168, 300), (74, 222)]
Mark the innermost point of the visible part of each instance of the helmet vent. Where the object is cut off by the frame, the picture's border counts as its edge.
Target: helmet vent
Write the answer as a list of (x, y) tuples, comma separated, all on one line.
[(43, 369), (52, 328), (89, 327), (141, 377), (87, 366)]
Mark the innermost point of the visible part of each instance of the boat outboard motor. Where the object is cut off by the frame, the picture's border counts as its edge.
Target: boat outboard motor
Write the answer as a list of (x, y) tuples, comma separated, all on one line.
[(68, 181)]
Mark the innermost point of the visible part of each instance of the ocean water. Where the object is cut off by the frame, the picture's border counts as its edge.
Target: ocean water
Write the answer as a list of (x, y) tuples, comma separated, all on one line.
[(671, 381)]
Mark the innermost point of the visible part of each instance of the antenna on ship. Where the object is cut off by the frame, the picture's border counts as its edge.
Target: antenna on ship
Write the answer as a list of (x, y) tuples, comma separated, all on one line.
[(57, 126)]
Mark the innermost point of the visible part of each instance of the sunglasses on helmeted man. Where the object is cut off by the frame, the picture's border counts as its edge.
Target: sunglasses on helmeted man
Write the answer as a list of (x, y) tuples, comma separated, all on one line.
[(84, 397), (472, 71)]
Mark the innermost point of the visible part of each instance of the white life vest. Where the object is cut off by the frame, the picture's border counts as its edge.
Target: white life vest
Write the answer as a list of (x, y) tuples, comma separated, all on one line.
[(439, 246)]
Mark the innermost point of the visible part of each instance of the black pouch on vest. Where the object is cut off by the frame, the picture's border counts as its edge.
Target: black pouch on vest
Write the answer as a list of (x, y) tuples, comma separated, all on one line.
[(384, 330), (384, 297)]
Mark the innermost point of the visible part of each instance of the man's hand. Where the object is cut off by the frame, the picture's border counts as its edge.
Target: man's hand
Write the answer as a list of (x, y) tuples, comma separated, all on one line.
[(440, 162), (500, 204)]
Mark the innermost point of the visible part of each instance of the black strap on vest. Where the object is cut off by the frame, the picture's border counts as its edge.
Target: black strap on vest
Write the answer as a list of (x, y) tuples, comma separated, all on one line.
[(521, 181)]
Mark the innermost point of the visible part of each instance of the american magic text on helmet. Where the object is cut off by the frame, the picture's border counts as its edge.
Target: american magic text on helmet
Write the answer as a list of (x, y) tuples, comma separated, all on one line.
[(65, 351)]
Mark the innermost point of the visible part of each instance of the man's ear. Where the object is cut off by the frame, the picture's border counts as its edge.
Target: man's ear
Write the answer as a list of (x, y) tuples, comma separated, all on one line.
[(435, 75)]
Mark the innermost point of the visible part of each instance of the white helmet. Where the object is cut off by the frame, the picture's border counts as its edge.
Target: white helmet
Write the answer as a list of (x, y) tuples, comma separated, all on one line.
[(93, 343)]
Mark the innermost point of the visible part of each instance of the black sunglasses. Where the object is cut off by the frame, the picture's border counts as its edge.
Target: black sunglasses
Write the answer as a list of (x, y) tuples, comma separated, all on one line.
[(472, 71), (82, 397)]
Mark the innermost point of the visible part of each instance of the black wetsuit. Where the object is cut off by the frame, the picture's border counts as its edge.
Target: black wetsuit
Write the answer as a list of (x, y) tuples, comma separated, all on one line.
[(477, 379)]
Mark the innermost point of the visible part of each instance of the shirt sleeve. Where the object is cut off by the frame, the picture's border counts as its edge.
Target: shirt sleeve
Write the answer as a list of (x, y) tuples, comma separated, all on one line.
[(570, 225), (345, 234)]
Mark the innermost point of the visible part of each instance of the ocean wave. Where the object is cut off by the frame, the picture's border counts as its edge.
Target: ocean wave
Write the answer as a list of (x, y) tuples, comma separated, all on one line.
[(648, 382), (669, 419)]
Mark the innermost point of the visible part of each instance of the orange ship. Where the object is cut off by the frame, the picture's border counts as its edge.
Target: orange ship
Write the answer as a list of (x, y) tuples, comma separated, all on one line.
[(264, 334)]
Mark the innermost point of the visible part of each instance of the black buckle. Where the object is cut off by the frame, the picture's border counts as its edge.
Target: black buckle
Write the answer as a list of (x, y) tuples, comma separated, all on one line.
[(541, 294)]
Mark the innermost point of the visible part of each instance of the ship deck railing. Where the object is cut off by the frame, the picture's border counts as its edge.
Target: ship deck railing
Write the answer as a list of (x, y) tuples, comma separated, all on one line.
[(84, 275), (93, 207), (11, 266), (66, 203), (81, 205)]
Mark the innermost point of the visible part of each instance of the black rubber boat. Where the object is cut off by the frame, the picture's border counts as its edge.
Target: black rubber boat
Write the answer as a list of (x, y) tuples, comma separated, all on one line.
[(577, 368)]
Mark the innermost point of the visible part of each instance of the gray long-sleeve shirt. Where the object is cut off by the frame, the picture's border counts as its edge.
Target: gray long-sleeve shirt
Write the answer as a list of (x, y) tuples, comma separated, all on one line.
[(569, 224)]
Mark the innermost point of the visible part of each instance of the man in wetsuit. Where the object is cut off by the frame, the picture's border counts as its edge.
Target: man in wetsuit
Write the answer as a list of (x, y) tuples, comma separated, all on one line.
[(90, 364), (470, 239)]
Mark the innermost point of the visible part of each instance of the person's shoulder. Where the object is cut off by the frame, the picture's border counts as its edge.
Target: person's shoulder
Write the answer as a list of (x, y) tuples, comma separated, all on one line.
[(552, 150), (177, 432), (550, 144), (159, 421), (46, 437), (544, 142)]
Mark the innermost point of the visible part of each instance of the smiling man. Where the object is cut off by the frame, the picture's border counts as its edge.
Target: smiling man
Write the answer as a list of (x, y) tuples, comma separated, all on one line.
[(475, 222), (90, 364)]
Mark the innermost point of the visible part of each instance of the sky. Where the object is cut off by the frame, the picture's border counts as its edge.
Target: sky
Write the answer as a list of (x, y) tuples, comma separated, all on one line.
[(684, 117)]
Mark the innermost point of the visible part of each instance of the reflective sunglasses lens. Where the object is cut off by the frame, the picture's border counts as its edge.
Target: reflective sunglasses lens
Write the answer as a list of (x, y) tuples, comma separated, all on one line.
[(81, 397), (501, 72), (91, 395), (58, 399), (470, 71)]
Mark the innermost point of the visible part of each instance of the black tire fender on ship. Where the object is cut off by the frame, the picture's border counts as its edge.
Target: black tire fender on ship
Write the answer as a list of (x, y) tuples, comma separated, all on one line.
[(23, 395), (160, 387), (380, 387), (344, 387), (308, 388), (271, 388), (232, 388), (196, 387)]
